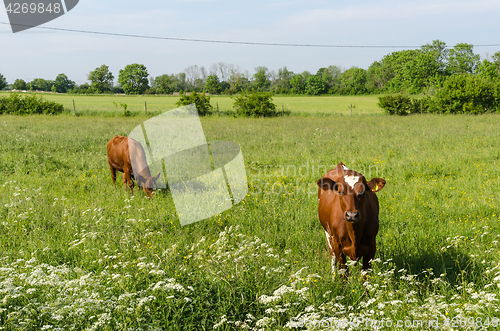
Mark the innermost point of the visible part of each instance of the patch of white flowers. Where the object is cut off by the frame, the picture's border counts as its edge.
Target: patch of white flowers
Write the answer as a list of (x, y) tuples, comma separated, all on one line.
[(35, 295)]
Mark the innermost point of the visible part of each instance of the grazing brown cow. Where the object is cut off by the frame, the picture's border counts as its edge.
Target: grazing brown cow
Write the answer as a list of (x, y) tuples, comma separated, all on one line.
[(348, 211), (120, 149)]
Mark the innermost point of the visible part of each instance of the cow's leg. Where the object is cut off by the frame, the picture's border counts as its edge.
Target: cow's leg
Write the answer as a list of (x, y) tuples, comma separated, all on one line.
[(369, 256), (344, 270), (333, 258), (113, 174), (128, 180)]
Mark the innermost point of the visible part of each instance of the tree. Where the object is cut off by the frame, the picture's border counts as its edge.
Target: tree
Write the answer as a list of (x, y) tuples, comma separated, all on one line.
[(195, 78), (62, 84), (237, 82), (496, 61), (223, 70), (40, 84), (212, 85), (353, 81), (297, 83), (84, 88), (19, 84), (408, 70), (315, 84), (101, 78), (462, 59), (134, 78), (375, 77), (282, 82), (163, 84), (439, 52), (180, 82), (416, 74), (331, 77), (487, 69), (261, 79), (3, 82)]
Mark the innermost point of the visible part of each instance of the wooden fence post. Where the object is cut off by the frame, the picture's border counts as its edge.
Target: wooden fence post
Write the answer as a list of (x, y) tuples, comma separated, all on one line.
[(218, 114), (74, 108), (351, 109), (145, 107)]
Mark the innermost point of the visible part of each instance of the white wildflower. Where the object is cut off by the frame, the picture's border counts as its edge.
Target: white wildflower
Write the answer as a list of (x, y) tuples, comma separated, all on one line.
[(265, 321)]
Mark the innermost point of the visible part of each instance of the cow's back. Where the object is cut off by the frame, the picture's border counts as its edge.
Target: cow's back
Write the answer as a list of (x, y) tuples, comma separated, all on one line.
[(118, 153), (138, 158)]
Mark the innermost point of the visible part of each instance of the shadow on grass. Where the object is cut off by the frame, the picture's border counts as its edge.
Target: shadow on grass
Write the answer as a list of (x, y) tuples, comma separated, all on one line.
[(456, 266)]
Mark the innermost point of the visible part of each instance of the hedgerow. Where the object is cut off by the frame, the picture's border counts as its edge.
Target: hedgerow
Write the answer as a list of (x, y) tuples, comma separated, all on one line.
[(18, 104)]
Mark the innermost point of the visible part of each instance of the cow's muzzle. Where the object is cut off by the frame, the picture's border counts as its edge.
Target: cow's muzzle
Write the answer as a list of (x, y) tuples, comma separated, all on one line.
[(352, 216)]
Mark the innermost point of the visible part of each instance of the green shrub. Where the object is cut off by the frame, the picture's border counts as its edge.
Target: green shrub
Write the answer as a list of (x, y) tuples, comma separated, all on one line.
[(400, 104), (255, 104), (17, 104), (397, 104), (201, 101), (126, 113), (466, 93)]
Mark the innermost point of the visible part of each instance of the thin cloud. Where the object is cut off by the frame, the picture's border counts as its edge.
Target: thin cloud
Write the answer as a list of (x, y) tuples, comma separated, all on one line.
[(390, 10)]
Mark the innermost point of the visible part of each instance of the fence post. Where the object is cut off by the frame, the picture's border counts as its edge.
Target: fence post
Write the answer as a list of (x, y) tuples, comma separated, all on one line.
[(218, 114), (145, 107), (74, 109)]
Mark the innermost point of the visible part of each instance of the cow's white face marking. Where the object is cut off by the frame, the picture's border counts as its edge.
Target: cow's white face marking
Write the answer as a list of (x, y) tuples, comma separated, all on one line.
[(351, 180), (328, 240), (345, 168)]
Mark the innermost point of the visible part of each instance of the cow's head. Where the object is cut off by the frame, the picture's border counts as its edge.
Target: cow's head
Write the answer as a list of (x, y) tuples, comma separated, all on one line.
[(351, 187), (149, 184)]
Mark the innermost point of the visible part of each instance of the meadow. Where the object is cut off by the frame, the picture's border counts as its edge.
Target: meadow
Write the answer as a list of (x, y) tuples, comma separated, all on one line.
[(109, 105), (79, 254)]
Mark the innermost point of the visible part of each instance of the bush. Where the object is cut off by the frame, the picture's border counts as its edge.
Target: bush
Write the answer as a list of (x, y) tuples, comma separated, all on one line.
[(255, 104), (27, 105), (466, 93), (201, 101), (397, 104)]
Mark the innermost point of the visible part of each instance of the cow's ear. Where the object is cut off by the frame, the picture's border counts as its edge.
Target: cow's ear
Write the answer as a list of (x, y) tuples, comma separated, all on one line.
[(326, 183), (376, 184), (156, 177)]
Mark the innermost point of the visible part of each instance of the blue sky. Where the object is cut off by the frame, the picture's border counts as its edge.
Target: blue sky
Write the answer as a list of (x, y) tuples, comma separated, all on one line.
[(41, 53)]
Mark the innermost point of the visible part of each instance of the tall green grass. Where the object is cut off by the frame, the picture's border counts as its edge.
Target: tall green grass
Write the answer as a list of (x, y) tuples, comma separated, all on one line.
[(78, 253)]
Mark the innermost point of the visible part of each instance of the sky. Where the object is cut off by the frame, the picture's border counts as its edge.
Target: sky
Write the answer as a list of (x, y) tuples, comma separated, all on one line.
[(40, 53)]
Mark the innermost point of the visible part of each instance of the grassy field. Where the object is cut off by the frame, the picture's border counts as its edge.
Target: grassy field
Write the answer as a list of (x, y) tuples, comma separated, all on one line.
[(79, 254), (297, 105)]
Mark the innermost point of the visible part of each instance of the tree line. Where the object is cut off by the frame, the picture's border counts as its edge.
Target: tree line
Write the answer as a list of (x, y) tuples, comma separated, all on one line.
[(411, 71)]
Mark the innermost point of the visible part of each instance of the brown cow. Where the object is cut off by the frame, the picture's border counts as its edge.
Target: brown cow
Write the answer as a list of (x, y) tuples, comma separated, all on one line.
[(348, 211), (119, 150)]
